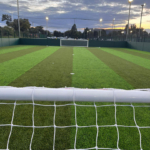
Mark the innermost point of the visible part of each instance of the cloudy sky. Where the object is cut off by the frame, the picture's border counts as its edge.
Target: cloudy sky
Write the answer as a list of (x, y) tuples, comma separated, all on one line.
[(85, 13)]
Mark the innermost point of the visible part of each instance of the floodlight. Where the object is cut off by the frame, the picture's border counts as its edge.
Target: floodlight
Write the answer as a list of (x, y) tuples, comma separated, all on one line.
[(131, 31), (47, 18), (114, 19), (130, 1), (144, 4), (101, 20)]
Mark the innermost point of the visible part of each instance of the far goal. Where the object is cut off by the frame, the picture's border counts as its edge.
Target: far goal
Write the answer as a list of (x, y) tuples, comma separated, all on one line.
[(74, 43)]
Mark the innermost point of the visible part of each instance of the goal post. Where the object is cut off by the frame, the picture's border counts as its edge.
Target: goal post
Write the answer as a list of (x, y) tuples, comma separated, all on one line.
[(75, 94), (74, 43)]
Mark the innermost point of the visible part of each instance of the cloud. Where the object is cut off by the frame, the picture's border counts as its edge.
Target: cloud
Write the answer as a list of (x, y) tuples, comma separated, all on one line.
[(86, 12)]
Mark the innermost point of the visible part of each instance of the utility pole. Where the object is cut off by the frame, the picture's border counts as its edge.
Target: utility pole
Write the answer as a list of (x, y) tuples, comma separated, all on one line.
[(141, 18), (130, 1), (18, 18)]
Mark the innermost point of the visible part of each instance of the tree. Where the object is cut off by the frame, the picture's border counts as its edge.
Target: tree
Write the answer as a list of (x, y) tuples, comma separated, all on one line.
[(6, 31), (85, 32), (74, 28), (74, 31), (68, 33), (103, 33), (58, 34), (6, 17), (24, 24), (40, 29), (95, 34)]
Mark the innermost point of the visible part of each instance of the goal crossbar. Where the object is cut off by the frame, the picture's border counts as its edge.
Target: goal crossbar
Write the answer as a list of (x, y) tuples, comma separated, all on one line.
[(75, 94)]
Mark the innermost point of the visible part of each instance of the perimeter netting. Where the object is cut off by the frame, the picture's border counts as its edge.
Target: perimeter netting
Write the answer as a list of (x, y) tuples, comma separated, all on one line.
[(74, 43), (92, 101)]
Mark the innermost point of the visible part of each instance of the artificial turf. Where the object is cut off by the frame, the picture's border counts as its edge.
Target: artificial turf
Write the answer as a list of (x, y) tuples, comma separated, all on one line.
[(12, 55), (135, 53), (13, 49), (49, 72), (54, 71), (135, 75), (91, 72), (92, 68), (145, 63), (20, 65), (138, 51)]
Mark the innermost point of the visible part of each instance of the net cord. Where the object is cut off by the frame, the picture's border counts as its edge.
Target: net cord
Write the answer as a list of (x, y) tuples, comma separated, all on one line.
[(32, 120), (76, 125), (11, 126)]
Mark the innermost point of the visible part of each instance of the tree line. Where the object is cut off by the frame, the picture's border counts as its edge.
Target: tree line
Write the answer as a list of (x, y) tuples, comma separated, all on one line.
[(26, 28)]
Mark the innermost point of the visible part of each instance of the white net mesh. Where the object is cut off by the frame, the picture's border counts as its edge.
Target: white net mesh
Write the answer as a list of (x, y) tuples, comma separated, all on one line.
[(74, 43), (76, 126)]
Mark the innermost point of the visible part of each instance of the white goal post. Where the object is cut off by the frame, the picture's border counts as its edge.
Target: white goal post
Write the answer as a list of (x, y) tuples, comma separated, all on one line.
[(75, 94), (74, 43)]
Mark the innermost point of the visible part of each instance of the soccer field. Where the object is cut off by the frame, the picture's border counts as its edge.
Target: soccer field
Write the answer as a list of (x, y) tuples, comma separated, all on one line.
[(94, 68)]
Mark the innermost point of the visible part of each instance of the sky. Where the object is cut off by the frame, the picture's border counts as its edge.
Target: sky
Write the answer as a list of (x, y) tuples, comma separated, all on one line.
[(84, 13)]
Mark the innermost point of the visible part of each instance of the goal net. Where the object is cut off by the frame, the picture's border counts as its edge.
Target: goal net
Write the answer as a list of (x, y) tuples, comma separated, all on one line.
[(74, 43), (92, 101)]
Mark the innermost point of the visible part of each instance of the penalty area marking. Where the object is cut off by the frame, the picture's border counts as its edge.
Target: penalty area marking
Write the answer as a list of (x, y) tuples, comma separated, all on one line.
[(72, 73)]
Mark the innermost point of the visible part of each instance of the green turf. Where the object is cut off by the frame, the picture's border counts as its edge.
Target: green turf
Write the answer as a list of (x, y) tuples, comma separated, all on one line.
[(135, 53), (50, 72), (91, 72), (13, 49), (54, 71), (131, 58), (93, 68), (20, 65), (134, 74), (138, 51), (8, 56)]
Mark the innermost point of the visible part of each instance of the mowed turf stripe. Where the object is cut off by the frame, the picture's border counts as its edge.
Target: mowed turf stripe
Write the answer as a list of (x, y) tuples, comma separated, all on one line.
[(131, 58), (137, 76), (90, 72), (14, 48), (54, 72), (7, 47), (138, 51), (15, 54), (12, 69), (135, 53)]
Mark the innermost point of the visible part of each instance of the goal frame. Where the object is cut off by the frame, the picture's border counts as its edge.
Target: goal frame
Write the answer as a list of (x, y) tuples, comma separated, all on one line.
[(75, 94), (73, 40)]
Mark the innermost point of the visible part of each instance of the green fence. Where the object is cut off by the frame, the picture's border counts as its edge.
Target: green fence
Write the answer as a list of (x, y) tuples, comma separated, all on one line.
[(49, 42), (94, 43), (9, 41), (142, 46)]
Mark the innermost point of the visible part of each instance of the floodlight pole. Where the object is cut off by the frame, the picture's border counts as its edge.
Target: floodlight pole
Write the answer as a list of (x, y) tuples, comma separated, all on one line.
[(128, 20), (100, 25), (18, 17), (100, 33), (47, 25), (113, 26), (141, 19)]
